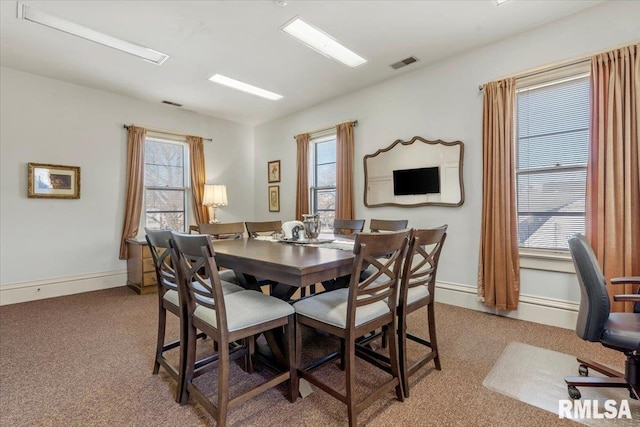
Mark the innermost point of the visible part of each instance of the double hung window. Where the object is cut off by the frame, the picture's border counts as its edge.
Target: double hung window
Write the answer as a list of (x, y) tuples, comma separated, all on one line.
[(552, 139), (323, 180), (166, 177)]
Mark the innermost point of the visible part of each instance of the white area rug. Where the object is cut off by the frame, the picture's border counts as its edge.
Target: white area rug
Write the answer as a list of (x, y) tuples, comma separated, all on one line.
[(535, 376)]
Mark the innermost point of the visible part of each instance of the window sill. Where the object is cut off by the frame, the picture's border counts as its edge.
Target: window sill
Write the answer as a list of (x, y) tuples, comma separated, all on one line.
[(559, 261)]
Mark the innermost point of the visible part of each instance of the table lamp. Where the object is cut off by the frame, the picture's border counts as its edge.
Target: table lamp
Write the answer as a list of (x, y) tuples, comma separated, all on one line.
[(214, 197)]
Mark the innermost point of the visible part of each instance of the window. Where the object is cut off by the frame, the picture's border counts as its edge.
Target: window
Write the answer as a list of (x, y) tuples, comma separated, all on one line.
[(552, 137), (323, 181), (165, 177)]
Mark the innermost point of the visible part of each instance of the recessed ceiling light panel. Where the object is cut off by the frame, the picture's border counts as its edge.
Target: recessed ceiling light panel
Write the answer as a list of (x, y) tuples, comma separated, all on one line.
[(28, 13), (235, 84), (321, 42)]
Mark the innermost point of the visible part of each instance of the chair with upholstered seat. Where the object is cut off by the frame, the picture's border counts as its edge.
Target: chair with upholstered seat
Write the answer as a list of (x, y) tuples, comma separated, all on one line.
[(618, 331), (230, 318), (223, 230), (378, 225), (168, 300), (417, 290), (350, 313), (263, 228), (346, 227)]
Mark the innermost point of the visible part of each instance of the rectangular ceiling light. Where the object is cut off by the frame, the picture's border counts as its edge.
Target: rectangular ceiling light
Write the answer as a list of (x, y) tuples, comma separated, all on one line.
[(227, 81), (322, 42), (28, 13)]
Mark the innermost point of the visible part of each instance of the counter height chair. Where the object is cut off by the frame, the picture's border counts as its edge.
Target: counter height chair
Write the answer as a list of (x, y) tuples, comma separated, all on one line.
[(618, 331), (345, 227), (226, 318), (169, 301), (225, 231), (378, 225), (255, 229), (342, 227), (353, 312)]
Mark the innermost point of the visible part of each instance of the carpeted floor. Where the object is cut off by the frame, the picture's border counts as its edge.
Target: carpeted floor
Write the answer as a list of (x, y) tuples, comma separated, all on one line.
[(535, 376), (86, 359)]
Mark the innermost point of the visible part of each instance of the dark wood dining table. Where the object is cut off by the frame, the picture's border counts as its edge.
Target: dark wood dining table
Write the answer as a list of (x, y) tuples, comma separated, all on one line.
[(291, 265)]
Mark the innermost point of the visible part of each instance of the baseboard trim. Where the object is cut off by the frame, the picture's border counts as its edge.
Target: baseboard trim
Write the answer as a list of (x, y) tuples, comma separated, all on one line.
[(532, 308), (14, 293), (547, 311)]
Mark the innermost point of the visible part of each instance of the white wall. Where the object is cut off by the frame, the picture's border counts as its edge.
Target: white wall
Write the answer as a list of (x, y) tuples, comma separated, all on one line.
[(442, 101), (67, 246)]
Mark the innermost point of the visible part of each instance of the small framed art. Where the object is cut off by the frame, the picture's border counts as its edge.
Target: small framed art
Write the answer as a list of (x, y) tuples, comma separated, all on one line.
[(274, 198), (53, 181), (273, 168)]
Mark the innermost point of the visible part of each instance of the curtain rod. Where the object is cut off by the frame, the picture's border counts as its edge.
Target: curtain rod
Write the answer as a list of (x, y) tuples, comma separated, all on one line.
[(545, 69), (168, 132), (353, 123), (567, 63)]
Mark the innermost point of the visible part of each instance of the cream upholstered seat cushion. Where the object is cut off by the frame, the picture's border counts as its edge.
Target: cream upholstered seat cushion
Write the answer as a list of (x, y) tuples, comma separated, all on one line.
[(227, 288), (246, 309), (331, 308)]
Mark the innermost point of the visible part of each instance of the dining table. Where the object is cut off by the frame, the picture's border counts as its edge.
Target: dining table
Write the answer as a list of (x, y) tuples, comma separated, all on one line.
[(291, 265)]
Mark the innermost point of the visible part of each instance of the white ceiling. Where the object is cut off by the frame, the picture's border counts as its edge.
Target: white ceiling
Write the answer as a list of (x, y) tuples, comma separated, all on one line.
[(241, 39)]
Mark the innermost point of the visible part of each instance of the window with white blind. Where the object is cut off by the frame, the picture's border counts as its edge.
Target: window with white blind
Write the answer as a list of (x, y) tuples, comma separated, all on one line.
[(552, 137), (166, 174), (323, 180)]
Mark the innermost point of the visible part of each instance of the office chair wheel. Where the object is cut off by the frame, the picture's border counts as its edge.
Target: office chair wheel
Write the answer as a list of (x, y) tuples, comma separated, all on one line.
[(574, 393), (583, 370)]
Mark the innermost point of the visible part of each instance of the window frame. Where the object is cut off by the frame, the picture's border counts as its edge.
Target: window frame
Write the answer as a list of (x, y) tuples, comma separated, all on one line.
[(548, 259), (186, 188), (314, 189)]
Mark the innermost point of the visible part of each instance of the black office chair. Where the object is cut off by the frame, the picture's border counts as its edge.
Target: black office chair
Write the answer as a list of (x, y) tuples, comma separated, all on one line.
[(619, 331)]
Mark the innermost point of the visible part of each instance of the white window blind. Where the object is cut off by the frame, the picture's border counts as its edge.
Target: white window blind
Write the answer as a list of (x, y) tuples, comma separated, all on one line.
[(552, 137)]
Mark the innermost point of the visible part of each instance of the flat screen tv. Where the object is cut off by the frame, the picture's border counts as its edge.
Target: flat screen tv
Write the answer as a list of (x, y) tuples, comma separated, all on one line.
[(416, 181)]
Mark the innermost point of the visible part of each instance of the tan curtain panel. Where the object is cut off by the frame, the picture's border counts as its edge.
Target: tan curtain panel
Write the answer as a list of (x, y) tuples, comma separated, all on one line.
[(302, 180), (198, 178), (499, 266), (135, 186), (613, 180), (344, 171)]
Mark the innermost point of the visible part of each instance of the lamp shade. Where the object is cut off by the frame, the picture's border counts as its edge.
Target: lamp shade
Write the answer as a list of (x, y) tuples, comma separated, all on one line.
[(215, 195)]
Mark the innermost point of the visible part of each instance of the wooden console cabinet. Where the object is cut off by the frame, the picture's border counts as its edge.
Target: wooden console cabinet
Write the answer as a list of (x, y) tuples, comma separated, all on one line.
[(141, 274)]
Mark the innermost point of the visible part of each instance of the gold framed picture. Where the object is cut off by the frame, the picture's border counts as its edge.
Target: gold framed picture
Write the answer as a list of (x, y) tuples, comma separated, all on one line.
[(274, 198), (273, 169), (53, 181)]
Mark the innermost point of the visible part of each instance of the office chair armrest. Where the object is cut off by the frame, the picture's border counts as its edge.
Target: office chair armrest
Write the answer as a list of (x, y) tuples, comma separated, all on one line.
[(630, 298), (634, 280)]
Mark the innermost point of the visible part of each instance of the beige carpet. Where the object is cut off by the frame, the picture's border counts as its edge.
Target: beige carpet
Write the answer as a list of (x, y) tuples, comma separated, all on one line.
[(535, 376)]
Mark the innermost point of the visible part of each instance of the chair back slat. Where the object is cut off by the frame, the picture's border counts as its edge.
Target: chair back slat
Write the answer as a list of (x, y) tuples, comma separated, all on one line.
[(198, 279), (347, 226), (255, 229), (382, 254), (378, 225), (158, 241), (229, 230)]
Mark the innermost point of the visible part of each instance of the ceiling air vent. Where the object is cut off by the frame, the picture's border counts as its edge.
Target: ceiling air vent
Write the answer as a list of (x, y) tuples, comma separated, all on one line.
[(175, 104), (404, 62)]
